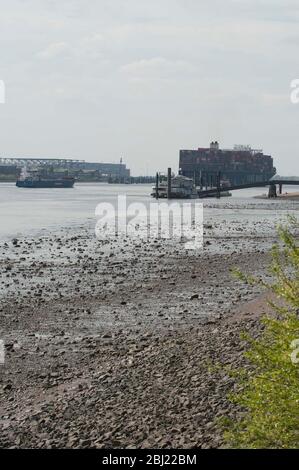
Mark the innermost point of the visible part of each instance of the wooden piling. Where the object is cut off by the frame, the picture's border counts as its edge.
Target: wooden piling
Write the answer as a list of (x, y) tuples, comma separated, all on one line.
[(218, 185), (169, 183), (157, 185), (272, 191)]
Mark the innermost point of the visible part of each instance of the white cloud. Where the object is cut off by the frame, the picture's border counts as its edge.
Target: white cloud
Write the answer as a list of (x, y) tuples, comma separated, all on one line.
[(157, 68), (106, 77), (54, 50)]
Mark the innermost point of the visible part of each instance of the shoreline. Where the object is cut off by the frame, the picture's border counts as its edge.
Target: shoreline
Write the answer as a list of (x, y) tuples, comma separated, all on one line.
[(109, 345), (152, 392), (287, 196)]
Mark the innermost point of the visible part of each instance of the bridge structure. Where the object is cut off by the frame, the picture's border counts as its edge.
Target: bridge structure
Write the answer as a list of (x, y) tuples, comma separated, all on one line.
[(279, 181), (30, 162)]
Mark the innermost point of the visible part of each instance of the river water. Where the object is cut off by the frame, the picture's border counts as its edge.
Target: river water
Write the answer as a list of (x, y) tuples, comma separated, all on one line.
[(32, 212)]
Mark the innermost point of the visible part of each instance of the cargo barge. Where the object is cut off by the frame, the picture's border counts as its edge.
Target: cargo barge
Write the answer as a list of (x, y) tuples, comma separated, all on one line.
[(38, 181)]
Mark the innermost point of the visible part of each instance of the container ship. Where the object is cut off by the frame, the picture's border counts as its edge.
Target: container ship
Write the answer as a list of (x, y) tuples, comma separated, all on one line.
[(40, 181), (240, 165)]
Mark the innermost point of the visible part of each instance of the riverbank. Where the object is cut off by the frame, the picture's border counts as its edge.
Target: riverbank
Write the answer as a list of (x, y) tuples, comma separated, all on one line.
[(290, 196), (151, 391), (294, 196), (109, 344)]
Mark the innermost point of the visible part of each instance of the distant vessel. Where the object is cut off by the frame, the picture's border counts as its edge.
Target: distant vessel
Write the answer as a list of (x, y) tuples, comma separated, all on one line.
[(38, 181), (184, 188), (181, 188)]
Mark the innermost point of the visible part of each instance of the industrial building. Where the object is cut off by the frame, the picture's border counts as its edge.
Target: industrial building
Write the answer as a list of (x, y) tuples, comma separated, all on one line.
[(240, 165), (9, 173), (10, 168), (112, 170)]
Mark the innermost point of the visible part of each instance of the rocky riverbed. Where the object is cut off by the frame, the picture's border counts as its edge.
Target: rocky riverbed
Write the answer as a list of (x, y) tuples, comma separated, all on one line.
[(109, 343)]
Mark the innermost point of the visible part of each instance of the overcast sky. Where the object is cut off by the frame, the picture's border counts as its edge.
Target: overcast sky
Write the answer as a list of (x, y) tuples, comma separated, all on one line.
[(101, 79)]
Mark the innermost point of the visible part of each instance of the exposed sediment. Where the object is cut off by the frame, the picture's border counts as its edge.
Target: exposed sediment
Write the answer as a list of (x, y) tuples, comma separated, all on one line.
[(109, 344)]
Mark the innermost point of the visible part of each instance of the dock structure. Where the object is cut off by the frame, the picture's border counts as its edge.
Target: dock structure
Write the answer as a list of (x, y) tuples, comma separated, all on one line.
[(216, 187), (272, 183)]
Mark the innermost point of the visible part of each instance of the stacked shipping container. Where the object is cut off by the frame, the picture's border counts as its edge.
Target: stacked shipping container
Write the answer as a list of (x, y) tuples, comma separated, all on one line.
[(237, 166)]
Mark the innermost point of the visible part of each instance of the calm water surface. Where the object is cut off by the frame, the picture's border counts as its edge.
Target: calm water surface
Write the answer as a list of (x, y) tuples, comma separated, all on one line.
[(26, 211)]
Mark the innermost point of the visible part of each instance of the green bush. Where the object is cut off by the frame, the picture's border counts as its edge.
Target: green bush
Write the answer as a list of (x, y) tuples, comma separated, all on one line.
[(268, 391)]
